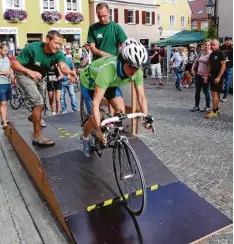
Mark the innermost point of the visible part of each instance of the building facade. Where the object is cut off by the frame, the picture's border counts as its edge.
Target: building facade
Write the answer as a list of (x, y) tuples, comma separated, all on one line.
[(137, 18), (199, 14), (172, 17), (25, 21), (224, 11)]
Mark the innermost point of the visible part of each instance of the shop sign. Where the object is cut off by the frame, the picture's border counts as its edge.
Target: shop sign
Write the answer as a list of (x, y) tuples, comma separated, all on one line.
[(67, 31), (194, 24), (8, 30)]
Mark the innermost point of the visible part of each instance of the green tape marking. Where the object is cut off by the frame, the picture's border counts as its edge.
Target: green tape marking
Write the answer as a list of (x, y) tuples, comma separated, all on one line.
[(74, 135), (62, 136), (90, 208)]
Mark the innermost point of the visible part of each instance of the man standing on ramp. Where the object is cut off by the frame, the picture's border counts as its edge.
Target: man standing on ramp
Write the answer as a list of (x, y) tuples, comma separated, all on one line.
[(31, 66)]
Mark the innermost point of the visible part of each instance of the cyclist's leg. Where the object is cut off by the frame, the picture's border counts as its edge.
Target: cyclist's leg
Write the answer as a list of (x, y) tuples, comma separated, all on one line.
[(115, 98)]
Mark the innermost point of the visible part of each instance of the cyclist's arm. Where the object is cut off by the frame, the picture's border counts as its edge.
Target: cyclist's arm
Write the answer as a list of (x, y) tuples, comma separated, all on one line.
[(141, 99), (17, 66), (97, 98), (97, 52)]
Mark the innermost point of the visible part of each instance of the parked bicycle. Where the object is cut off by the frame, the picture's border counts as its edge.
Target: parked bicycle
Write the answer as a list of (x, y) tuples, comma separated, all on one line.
[(127, 168)]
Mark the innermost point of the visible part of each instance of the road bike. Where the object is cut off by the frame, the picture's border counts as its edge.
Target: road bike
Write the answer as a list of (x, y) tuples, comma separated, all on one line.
[(127, 168)]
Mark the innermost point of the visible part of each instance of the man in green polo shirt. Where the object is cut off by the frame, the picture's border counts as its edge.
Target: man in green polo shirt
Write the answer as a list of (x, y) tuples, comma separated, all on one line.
[(105, 36), (31, 66)]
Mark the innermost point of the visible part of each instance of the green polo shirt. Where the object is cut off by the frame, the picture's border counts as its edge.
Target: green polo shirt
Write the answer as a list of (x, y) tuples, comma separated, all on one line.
[(33, 57), (4, 66), (106, 37)]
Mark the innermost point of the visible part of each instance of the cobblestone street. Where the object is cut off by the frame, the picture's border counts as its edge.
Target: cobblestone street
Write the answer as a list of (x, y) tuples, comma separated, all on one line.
[(198, 151)]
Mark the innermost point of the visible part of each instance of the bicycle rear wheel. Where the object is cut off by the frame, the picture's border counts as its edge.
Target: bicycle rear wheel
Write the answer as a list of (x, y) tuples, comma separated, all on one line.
[(17, 99), (129, 177)]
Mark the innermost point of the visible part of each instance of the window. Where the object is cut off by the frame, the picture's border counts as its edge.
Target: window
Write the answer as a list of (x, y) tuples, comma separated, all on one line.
[(112, 14), (131, 17), (200, 11), (49, 5), (164, 1), (13, 4), (148, 18), (172, 20), (159, 20), (173, 1), (183, 22), (72, 5)]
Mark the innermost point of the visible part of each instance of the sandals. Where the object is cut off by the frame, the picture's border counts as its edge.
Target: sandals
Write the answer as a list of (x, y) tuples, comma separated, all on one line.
[(6, 121), (42, 141)]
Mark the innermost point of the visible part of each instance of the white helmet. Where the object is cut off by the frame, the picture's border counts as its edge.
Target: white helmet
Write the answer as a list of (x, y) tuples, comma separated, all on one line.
[(134, 53)]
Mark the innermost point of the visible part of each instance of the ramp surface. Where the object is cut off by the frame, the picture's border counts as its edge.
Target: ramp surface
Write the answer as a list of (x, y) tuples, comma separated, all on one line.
[(174, 214), (70, 183)]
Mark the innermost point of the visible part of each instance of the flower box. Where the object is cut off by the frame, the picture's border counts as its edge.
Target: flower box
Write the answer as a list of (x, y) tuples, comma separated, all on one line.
[(74, 17), (15, 15), (51, 16)]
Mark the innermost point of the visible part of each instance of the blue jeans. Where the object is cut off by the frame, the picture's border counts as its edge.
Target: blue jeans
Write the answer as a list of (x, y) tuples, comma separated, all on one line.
[(66, 85), (200, 84), (227, 77), (179, 75)]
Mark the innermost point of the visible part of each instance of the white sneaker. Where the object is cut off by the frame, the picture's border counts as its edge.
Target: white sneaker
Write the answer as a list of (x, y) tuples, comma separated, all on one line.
[(64, 112), (187, 86), (224, 100), (42, 123), (54, 113)]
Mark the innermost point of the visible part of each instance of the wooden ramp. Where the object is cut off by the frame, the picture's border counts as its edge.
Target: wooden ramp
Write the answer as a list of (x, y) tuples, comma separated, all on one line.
[(75, 188)]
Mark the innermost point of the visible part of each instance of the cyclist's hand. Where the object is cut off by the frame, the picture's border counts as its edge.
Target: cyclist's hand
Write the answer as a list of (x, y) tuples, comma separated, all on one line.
[(34, 75), (101, 137), (72, 76), (149, 123)]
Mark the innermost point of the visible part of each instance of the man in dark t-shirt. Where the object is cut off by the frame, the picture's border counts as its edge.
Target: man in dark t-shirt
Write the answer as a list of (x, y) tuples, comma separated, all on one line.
[(217, 67), (228, 50), (155, 65), (105, 36)]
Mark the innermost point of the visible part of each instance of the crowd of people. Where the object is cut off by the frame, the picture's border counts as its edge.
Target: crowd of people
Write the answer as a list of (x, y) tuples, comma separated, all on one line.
[(108, 60)]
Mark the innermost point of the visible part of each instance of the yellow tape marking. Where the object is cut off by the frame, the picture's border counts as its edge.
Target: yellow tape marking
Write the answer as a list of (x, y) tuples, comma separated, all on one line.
[(74, 135), (154, 187), (62, 136), (90, 208), (64, 131), (60, 128), (139, 192), (108, 202), (67, 134), (126, 197)]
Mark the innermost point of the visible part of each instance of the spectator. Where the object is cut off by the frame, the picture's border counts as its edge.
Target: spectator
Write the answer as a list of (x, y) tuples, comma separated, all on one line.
[(87, 55), (5, 83), (178, 61), (10, 55), (228, 50), (105, 36), (155, 65), (68, 52), (67, 85), (54, 87), (202, 64), (217, 68)]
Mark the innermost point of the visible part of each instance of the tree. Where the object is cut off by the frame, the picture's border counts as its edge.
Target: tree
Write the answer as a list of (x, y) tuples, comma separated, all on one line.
[(211, 32)]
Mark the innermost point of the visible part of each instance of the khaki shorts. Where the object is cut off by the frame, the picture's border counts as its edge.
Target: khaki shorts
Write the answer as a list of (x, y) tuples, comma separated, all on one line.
[(33, 90)]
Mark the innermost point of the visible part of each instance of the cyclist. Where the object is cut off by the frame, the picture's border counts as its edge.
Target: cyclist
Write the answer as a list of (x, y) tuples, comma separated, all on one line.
[(103, 77)]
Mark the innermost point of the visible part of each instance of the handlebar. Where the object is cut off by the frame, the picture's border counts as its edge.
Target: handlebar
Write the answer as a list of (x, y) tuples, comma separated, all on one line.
[(128, 116)]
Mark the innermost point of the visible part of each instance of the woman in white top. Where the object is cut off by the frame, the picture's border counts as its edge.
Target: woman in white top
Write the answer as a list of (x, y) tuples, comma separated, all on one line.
[(178, 62)]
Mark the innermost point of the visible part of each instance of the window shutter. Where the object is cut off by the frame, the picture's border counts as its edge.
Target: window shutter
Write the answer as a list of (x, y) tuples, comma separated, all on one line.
[(116, 15), (153, 18), (143, 17), (137, 16), (126, 16)]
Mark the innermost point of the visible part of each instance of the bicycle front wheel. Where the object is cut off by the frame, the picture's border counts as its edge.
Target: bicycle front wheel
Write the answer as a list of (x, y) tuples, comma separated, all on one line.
[(16, 100), (129, 177)]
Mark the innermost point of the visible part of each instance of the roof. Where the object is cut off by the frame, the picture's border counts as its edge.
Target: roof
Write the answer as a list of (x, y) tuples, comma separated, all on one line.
[(184, 37), (198, 9)]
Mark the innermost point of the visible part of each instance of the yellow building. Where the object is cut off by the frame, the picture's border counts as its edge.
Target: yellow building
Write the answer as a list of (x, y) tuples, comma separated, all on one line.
[(172, 17), (34, 28)]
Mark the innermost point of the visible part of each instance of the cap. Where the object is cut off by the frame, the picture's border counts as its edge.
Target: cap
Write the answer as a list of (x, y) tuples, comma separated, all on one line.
[(228, 38), (10, 52), (192, 45)]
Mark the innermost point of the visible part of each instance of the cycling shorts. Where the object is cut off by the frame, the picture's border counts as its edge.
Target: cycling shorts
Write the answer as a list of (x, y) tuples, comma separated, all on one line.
[(87, 95)]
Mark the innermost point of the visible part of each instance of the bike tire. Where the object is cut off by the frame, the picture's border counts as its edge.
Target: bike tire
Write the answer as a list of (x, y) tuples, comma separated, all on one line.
[(27, 104), (118, 171), (16, 97)]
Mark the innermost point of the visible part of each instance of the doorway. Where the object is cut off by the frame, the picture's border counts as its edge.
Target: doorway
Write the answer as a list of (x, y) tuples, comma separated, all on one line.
[(34, 37)]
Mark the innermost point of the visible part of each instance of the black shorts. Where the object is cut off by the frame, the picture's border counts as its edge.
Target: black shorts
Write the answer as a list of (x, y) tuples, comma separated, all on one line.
[(216, 87), (54, 86), (188, 67)]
